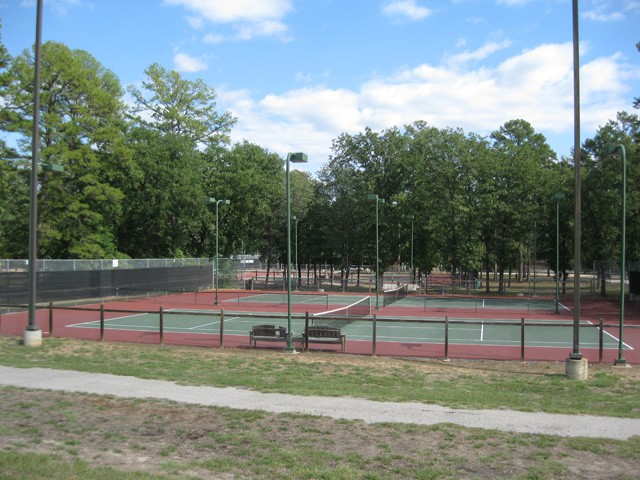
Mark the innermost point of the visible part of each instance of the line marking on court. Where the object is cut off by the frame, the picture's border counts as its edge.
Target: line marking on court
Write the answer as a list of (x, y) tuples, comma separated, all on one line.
[(203, 325), (629, 347), (89, 322)]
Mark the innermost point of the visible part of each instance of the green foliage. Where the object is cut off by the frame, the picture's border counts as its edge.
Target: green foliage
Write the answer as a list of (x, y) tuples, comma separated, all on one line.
[(173, 105), (136, 177)]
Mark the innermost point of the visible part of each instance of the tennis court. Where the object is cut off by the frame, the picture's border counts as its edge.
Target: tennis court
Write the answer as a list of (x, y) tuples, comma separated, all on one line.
[(518, 304), (403, 325), (403, 330)]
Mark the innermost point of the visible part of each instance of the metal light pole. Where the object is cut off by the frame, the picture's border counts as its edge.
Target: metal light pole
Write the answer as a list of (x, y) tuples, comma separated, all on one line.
[(216, 262), (374, 196), (615, 150), (297, 267), (218, 202), (535, 252), (33, 335), (411, 217), (577, 150), (557, 197), (291, 158)]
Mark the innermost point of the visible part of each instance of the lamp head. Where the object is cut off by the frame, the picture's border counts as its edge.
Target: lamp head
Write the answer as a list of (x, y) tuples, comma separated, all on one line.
[(298, 157), (615, 149), (52, 167)]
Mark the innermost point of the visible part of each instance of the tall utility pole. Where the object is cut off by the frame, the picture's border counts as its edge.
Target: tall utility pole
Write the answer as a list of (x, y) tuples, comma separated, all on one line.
[(33, 334)]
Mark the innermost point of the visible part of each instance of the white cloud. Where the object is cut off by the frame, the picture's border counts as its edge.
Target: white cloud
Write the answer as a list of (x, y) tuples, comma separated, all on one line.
[(512, 3), (225, 11), (536, 85), (475, 55), (265, 28), (600, 14), (187, 63), (196, 22), (213, 38), (406, 8), (250, 18)]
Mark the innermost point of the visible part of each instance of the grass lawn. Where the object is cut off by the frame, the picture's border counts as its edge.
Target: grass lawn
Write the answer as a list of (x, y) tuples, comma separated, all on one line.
[(55, 435)]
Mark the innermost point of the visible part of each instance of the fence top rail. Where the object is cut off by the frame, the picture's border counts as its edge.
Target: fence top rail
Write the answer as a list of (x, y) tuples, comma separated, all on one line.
[(283, 316)]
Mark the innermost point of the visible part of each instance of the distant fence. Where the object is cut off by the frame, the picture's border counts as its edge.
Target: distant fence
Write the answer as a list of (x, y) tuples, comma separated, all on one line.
[(62, 280)]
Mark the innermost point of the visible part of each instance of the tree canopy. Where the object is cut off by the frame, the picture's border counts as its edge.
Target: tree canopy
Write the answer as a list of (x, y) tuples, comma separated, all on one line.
[(137, 175)]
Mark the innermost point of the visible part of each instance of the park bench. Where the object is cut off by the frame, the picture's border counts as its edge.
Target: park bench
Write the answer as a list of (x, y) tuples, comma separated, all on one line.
[(266, 333), (323, 334)]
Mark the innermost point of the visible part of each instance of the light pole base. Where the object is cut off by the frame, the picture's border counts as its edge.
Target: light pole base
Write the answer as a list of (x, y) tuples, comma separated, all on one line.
[(577, 369), (32, 338), (620, 362)]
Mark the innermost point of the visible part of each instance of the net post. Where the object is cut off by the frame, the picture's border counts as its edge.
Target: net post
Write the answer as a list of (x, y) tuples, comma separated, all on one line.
[(600, 340), (374, 335), (221, 328), (51, 319), (161, 326), (522, 339), (446, 337), (101, 321)]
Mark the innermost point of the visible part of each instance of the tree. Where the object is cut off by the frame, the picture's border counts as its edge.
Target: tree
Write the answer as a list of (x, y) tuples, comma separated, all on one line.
[(14, 186), (253, 179), (636, 101), (602, 195), (81, 129), (180, 107), (165, 197), (523, 162), (166, 210)]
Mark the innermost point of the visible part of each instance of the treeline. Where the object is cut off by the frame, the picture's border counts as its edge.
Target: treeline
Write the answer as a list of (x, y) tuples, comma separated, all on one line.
[(139, 163)]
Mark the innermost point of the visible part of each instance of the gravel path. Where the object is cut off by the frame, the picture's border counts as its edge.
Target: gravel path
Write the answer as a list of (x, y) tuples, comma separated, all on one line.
[(343, 408)]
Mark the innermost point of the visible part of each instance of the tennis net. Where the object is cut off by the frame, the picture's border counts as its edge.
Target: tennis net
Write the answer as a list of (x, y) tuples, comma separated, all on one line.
[(391, 296), (342, 316)]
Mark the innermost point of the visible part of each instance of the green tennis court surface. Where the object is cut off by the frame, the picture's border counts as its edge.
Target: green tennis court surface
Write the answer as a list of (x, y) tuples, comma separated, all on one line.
[(478, 303), (397, 329)]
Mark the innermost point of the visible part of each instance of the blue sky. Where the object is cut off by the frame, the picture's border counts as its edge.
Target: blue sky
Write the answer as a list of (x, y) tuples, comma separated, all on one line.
[(298, 73)]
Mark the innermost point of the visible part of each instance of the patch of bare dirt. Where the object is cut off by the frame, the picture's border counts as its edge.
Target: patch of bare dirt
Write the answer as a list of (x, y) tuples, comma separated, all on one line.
[(216, 443)]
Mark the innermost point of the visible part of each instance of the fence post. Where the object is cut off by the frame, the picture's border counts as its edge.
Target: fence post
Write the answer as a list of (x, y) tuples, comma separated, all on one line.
[(306, 332), (374, 335), (221, 328), (446, 337), (161, 313), (101, 321), (51, 319), (600, 341), (522, 339)]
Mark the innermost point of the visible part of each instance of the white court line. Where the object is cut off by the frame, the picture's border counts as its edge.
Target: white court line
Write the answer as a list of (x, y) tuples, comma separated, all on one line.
[(81, 324), (203, 325), (616, 339)]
